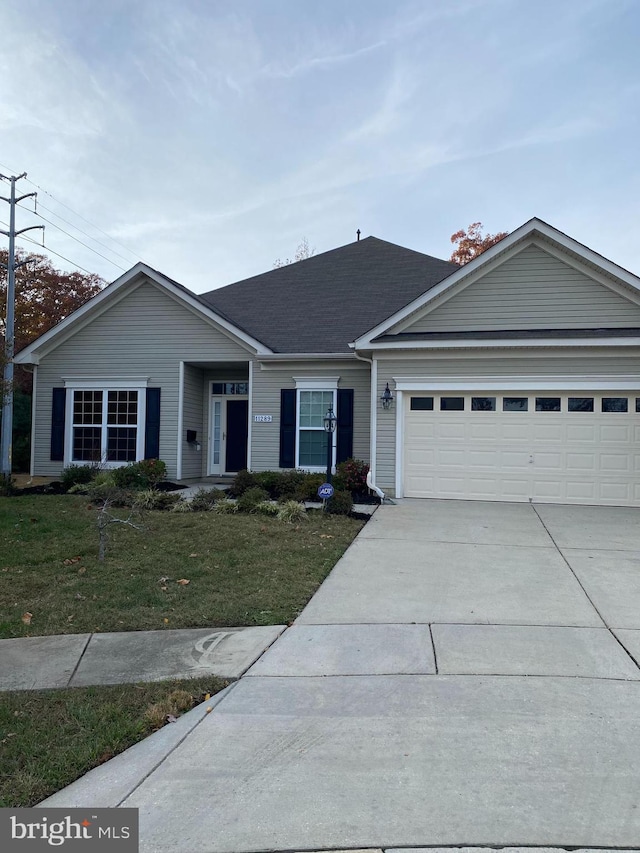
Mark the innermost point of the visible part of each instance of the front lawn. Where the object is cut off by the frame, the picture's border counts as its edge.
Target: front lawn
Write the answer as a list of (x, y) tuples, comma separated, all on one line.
[(49, 738), (241, 569)]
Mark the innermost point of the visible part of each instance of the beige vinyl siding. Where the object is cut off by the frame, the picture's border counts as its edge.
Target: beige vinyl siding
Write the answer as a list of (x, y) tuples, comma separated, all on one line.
[(146, 334), (581, 366), (533, 290), (192, 418), (265, 450)]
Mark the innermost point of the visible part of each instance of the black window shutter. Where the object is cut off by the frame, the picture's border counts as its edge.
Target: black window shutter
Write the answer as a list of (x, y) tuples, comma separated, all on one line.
[(344, 449), (57, 424), (152, 425), (287, 428)]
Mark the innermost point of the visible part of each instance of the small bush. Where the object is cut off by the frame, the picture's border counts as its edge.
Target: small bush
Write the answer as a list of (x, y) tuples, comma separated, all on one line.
[(75, 475), (292, 511), (140, 475), (249, 500), (267, 508), (340, 504), (205, 499), (225, 506), (269, 481), (351, 476), (7, 486), (152, 499), (181, 505), (308, 488), (243, 481)]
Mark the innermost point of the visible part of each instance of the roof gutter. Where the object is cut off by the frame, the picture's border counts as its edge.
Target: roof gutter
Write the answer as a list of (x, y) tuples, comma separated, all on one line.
[(305, 356)]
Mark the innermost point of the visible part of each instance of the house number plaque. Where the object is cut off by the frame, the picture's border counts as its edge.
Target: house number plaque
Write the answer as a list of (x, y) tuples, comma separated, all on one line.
[(263, 419)]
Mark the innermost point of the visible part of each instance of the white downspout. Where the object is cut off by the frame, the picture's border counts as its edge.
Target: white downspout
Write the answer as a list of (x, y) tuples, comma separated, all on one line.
[(373, 425)]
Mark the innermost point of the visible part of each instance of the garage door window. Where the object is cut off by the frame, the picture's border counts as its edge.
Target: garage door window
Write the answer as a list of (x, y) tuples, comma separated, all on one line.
[(515, 404), (422, 404), (615, 404), (451, 404), (547, 404), (483, 404), (580, 404)]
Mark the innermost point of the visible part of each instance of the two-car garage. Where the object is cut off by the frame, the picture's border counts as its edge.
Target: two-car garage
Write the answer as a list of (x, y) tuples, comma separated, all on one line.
[(547, 445)]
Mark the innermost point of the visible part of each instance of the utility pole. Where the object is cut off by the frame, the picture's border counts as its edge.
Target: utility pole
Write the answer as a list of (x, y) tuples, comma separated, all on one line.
[(9, 329)]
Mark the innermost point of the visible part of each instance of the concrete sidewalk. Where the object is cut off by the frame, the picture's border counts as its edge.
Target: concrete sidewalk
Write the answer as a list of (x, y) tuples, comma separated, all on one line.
[(465, 676), (78, 660)]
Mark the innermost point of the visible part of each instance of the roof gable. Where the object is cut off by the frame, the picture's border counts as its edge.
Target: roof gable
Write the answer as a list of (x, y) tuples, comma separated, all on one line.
[(118, 290), (577, 268), (531, 289)]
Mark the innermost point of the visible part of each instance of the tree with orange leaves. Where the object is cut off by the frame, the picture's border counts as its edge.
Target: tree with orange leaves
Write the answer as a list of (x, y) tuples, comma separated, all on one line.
[(473, 242)]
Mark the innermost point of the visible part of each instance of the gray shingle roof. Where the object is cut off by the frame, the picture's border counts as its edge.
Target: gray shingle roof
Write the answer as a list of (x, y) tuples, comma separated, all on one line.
[(323, 303)]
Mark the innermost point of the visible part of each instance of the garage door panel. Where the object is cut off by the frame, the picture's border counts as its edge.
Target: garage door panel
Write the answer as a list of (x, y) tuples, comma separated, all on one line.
[(574, 457)]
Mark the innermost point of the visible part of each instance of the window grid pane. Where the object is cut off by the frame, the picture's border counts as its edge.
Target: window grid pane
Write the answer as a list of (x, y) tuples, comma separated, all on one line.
[(515, 404), (615, 404), (422, 404), (121, 444), (87, 444), (547, 404), (580, 404), (122, 407), (451, 404), (313, 448), (87, 407), (483, 404), (313, 408)]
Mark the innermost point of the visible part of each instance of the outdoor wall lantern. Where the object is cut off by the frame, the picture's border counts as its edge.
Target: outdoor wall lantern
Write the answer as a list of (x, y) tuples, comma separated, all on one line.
[(387, 398), (330, 423)]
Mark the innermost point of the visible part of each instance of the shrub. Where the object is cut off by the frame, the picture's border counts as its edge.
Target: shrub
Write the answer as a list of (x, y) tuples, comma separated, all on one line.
[(249, 500), (267, 508), (181, 505), (75, 475), (140, 475), (292, 511), (340, 504), (243, 481), (269, 481), (308, 488), (225, 506), (205, 499), (351, 476), (7, 486), (152, 499)]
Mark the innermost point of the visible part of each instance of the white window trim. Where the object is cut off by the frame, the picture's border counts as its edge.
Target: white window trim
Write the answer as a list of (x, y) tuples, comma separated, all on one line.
[(117, 385), (316, 469)]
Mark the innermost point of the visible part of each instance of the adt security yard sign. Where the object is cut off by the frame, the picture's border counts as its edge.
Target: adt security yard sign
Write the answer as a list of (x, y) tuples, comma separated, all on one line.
[(325, 491)]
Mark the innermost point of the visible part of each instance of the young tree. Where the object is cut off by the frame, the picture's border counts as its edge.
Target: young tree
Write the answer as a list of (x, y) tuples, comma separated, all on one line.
[(303, 252), (473, 242)]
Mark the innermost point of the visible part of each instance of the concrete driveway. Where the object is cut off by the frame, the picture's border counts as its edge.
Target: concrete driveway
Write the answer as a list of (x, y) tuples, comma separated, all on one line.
[(465, 676)]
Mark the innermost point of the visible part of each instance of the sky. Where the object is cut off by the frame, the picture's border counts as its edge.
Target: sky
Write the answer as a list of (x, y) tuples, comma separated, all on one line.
[(209, 138)]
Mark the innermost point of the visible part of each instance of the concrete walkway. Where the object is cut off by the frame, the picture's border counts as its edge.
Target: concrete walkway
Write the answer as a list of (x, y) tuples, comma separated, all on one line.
[(465, 676), (78, 660)]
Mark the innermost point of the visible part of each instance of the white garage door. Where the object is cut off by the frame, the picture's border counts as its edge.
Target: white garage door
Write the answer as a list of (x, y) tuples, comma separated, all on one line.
[(547, 446)]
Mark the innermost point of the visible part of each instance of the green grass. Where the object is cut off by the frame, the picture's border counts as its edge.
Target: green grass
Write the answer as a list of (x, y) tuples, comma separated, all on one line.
[(50, 738), (242, 569)]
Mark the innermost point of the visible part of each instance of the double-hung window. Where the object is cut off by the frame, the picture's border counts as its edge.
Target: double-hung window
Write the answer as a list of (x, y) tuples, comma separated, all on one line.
[(315, 398), (105, 425)]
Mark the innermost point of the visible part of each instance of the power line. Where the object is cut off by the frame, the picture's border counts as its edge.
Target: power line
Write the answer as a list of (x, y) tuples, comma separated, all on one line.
[(80, 216), (95, 239), (57, 254), (95, 251)]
